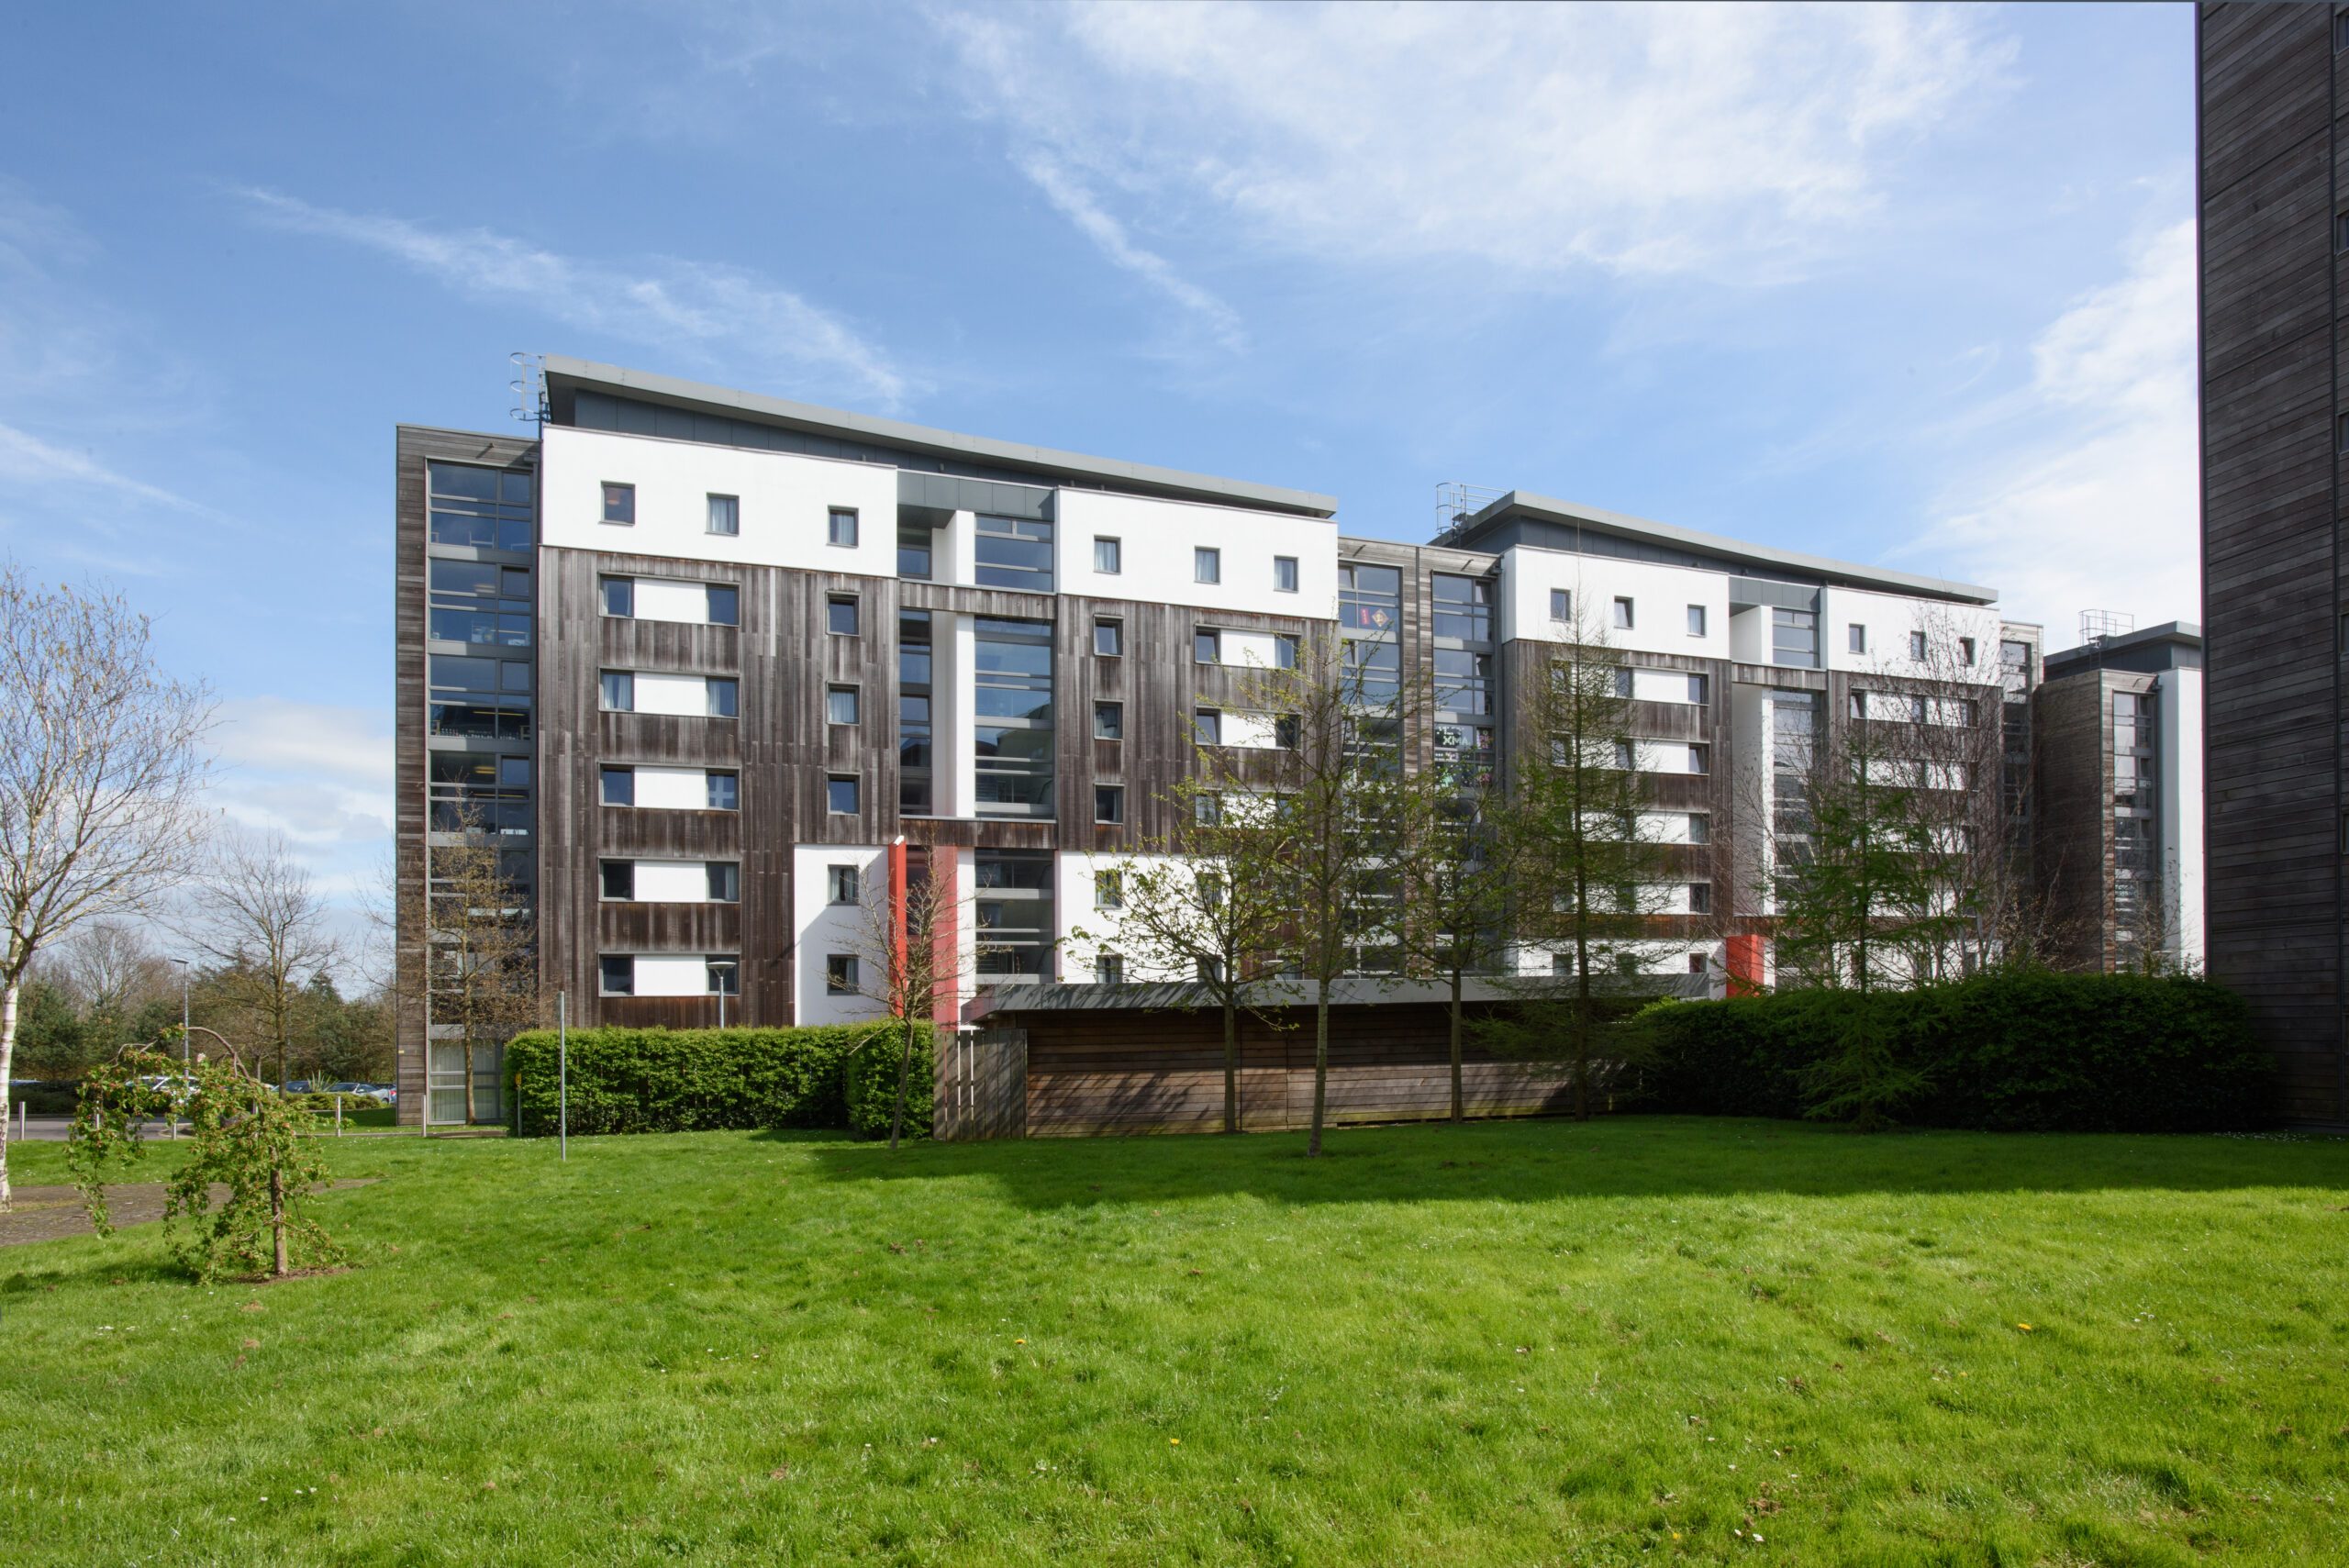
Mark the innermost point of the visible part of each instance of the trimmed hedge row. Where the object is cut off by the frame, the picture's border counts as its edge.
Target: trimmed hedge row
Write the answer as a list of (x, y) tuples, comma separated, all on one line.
[(2024, 1051), (657, 1080)]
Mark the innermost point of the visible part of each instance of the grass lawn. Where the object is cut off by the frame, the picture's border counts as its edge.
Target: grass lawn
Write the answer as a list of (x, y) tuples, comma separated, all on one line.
[(1524, 1343)]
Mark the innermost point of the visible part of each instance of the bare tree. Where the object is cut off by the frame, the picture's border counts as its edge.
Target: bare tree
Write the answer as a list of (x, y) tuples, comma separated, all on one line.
[(905, 955), (257, 917), (101, 770), (480, 962), (1460, 867), (112, 972)]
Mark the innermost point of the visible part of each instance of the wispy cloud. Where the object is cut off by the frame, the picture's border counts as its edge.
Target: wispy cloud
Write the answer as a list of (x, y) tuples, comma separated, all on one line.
[(25, 459), (1738, 142), (2079, 490), (1075, 203), (725, 313)]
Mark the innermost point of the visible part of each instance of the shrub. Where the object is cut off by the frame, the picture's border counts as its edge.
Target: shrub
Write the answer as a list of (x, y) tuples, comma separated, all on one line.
[(872, 1085), (45, 1097), (2029, 1050), (654, 1080)]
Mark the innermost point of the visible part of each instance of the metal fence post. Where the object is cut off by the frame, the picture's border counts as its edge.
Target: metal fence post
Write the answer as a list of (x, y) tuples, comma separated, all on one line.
[(562, 1073)]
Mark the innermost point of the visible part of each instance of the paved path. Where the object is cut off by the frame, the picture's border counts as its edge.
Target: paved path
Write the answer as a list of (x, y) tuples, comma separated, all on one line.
[(44, 1214)]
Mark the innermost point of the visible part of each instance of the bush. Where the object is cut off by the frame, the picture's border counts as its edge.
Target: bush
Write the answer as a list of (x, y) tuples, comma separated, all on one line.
[(654, 1080), (49, 1097), (871, 1085), (2024, 1051)]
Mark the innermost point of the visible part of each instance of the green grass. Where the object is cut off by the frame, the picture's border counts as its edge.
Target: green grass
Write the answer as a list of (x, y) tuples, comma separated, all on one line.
[(1525, 1344)]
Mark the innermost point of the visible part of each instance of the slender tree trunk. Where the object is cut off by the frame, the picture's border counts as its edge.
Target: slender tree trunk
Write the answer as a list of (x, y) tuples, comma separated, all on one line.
[(469, 1074), (7, 1057), (1581, 988), (1230, 1066), (277, 1215), (1321, 1063), (1459, 1106), (904, 1076)]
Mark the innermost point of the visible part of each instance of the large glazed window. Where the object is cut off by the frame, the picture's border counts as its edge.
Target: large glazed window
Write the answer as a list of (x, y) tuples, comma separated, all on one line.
[(487, 508), (1463, 608), (1012, 904), (1794, 639), (1013, 703), (916, 786), (1370, 598), (1014, 553)]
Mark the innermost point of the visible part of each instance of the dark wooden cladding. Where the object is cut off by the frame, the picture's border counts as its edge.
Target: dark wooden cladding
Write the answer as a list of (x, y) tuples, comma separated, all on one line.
[(2268, 91)]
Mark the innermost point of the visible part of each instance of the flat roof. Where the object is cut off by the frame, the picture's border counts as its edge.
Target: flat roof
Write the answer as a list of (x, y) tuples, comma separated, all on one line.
[(565, 375), (2186, 633), (1731, 551)]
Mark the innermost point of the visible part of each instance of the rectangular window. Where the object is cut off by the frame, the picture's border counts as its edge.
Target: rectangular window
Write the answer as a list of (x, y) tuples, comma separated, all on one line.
[(839, 704), (1699, 689), (1965, 652), (844, 884), (1700, 828), (618, 881), (1857, 636), (1108, 803), (1626, 755), (1206, 565), (619, 597), (1108, 636), (839, 614), (914, 546), (1562, 605), (619, 692), (1108, 969), (1207, 646), (1109, 721), (722, 695), (1207, 727), (1696, 620), (840, 974), (1696, 964), (617, 974), (1624, 615), (1286, 649), (2341, 433), (725, 605), (1623, 684), (1207, 809), (1013, 552), (1918, 711), (1285, 573), (725, 881), (840, 530), (1109, 555), (725, 515), (1562, 964), (619, 786), (724, 791), (2340, 220), (1917, 646), (1109, 890), (1287, 731), (619, 504), (1463, 607), (1700, 898), (839, 795), (722, 975), (1700, 759)]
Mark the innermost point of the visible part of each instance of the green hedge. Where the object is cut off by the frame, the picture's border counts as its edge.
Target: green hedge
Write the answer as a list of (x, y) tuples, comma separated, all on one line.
[(871, 1085), (654, 1080), (2031, 1050)]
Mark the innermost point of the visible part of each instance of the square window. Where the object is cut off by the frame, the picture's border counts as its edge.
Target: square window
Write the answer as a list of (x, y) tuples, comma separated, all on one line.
[(619, 786), (1109, 721), (1207, 727), (1700, 898), (839, 614), (1696, 964), (1207, 809), (1206, 565), (1858, 635), (1207, 646), (1562, 605), (513, 675), (839, 795), (1108, 803), (723, 788), (1285, 573), (619, 504), (1699, 689), (722, 975), (725, 605), (1108, 637), (619, 597), (839, 704), (1286, 731), (1624, 615), (725, 881), (842, 530), (1917, 646), (844, 884), (1109, 890), (1562, 964), (1109, 555), (619, 692), (618, 881), (514, 772), (840, 974), (723, 696), (1696, 620), (1108, 969), (616, 974), (725, 515)]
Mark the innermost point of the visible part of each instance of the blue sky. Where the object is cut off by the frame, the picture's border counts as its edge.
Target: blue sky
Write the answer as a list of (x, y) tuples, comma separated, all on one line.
[(1910, 286)]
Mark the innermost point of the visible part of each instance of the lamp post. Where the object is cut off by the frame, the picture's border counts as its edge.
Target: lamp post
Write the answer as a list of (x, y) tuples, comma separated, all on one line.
[(184, 1009)]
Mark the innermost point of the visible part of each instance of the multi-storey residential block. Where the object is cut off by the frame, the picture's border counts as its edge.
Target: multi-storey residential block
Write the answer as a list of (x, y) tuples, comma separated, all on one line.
[(713, 663), (2274, 240)]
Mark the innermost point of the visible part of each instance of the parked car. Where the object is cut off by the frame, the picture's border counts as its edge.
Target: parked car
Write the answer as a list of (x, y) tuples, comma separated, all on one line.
[(360, 1091), (298, 1086)]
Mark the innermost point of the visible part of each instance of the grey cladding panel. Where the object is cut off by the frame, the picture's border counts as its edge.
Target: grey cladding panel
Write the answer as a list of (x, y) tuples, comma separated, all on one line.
[(950, 493), (1782, 595)]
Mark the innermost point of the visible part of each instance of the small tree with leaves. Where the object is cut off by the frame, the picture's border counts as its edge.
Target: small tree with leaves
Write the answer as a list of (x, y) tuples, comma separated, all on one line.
[(247, 1137), (482, 972), (909, 959)]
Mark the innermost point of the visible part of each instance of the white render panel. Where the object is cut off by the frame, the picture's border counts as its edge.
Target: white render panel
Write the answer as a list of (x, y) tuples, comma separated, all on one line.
[(1157, 537), (672, 974), (1661, 686), (684, 696), (1660, 596), (662, 598), (1085, 931), (672, 789), (1247, 730), (785, 512), (824, 927), (671, 882), (1250, 649), (1890, 617)]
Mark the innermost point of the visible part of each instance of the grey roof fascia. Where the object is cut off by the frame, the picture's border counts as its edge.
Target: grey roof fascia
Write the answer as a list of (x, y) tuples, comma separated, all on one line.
[(2184, 632), (1598, 519), (1111, 473)]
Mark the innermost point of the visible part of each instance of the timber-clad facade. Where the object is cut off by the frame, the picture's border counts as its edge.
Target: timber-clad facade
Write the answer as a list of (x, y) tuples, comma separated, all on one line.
[(739, 647)]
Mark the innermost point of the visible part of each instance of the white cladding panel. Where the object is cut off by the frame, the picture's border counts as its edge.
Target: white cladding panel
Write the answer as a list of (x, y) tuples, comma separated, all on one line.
[(786, 502), (672, 974), (1890, 619), (659, 598), (681, 695), (1660, 598), (1249, 647), (1157, 538), (672, 789), (1087, 930), (671, 882), (1661, 686), (824, 927), (1251, 731)]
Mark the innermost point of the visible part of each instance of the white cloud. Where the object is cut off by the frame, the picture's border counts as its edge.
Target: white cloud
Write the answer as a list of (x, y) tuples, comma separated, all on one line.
[(2083, 489), (1738, 142), (25, 459), (724, 312), (319, 773), (1078, 206)]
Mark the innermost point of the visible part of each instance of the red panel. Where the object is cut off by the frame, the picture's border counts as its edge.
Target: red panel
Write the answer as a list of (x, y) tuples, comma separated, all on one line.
[(944, 863), (1744, 965)]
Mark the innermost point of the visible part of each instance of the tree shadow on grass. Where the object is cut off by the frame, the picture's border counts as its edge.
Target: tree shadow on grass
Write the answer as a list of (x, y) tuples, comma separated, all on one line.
[(1540, 1161)]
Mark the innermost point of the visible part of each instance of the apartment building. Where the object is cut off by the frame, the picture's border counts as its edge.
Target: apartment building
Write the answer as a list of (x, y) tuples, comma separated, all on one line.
[(712, 664), (2275, 241)]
